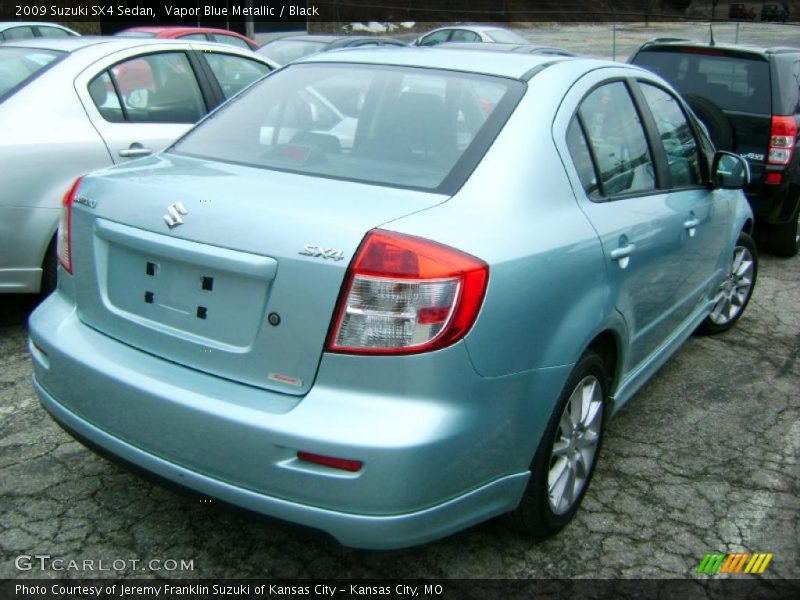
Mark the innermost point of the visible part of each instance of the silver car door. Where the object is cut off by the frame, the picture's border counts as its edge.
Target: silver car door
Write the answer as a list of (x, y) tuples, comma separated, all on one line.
[(140, 101)]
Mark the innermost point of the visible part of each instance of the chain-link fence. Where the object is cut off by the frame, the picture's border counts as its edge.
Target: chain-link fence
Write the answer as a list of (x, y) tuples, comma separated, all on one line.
[(619, 41)]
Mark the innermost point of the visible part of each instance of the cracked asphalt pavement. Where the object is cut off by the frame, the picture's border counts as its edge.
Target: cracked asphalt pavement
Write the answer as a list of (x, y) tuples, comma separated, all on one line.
[(704, 459)]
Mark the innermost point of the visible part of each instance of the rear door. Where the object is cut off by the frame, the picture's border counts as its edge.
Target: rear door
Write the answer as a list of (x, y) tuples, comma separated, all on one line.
[(619, 182), (141, 100)]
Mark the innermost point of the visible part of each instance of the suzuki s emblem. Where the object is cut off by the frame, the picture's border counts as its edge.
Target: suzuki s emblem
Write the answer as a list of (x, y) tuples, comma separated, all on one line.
[(173, 216)]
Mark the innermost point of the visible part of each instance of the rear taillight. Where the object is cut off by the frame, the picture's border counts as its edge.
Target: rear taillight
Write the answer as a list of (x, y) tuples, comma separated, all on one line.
[(64, 248), (405, 294), (782, 138)]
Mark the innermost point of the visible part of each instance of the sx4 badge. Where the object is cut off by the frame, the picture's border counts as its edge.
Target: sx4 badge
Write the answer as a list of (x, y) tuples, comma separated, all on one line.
[(320, 252)]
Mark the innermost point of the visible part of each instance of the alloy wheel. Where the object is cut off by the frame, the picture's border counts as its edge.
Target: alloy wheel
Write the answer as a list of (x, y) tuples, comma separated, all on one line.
[(573, 453), (735, 289)]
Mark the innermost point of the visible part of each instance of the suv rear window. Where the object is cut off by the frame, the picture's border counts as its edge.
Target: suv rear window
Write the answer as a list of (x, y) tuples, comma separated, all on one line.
[(19, 65), (394, 126), (732, 81)]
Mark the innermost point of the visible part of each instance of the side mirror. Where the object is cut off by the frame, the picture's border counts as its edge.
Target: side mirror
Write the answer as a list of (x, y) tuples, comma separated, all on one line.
[(729, 171)]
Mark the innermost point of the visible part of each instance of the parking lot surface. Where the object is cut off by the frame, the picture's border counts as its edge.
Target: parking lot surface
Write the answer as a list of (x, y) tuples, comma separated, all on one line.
[(704, 459)]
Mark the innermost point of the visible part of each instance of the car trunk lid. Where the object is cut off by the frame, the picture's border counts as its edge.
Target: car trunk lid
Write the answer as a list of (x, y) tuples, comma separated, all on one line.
[(227, 269)]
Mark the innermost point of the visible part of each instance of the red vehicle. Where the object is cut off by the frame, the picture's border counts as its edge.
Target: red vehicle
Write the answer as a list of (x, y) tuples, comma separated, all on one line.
[(741, 12), (206, 34)]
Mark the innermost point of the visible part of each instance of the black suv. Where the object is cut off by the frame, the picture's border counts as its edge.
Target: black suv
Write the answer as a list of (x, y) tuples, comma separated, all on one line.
[(748, 99), (775, 12)]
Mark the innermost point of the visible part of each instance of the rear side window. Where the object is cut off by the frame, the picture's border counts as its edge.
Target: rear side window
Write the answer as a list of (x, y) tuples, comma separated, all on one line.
[(157, 88), (18, 66), (395, 126), (53, 32), (680, 146), (732, 81), (617, 141)]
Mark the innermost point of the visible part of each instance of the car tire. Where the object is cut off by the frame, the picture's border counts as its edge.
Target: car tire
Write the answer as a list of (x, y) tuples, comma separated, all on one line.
[(784, 240), (735, 291), (718, 125), (565, 460), (49, 271)]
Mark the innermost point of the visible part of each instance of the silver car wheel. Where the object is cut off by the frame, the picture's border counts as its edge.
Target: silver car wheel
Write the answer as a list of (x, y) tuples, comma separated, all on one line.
[(573, 454), (735, 289)]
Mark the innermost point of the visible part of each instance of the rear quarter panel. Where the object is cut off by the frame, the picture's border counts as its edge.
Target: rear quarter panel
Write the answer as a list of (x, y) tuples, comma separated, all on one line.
[(547, 295)]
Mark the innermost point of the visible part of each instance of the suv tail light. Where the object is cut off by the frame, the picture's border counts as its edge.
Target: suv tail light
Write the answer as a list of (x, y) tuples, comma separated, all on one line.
[(782, 137), (64, 247), (405, 294)]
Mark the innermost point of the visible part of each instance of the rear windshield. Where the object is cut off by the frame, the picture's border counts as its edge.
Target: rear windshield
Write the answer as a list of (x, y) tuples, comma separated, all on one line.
[(286, 51), (395, 126), (19, 65), (731, 81)]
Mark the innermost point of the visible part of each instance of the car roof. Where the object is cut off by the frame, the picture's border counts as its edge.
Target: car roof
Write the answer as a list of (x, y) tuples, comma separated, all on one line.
[(514, 65), (9, 24), (307, 38), (747, 48), (107, 44), (501, 47), (179, 29)]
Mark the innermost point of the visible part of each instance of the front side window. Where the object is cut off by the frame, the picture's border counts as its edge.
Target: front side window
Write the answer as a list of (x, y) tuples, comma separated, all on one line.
[(156, 88), (680, 146), (617, 140), (395, 126), (234, 73)]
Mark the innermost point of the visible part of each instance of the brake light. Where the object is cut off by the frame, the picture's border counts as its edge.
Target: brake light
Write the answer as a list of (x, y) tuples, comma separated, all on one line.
[(405, 294), (782, 136), (64, 246)]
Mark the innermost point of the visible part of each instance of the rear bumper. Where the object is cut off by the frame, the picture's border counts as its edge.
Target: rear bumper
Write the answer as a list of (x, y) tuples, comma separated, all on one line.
[(442, 447), (358, 531)]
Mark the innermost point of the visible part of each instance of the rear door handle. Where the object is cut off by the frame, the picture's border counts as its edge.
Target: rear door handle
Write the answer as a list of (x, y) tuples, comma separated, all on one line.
[(691, 226), (135, 151), (623, 252), (622, 255)]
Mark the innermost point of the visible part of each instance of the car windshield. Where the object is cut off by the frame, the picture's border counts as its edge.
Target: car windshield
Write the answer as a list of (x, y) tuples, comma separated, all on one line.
[(19, 65), (395, 126), (732, 81), (502, 36), (286, 51)]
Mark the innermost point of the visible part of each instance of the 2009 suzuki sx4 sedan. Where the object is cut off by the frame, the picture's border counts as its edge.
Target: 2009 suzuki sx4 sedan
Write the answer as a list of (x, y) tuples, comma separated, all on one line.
[(392, 293)]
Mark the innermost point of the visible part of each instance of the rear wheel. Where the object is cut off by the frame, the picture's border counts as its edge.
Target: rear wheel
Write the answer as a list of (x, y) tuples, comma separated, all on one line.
[(736, 289), (49, 271), (784, 240), (565, 460)]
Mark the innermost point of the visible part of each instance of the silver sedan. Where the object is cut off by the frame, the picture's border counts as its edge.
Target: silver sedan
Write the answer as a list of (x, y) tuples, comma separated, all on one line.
[(77, 104)]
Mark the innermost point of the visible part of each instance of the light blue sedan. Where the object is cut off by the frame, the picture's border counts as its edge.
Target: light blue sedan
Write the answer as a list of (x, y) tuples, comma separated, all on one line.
[(390, 294)]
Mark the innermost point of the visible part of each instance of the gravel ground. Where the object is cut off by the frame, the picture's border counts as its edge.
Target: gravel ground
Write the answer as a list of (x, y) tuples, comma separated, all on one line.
[(704, 459)]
